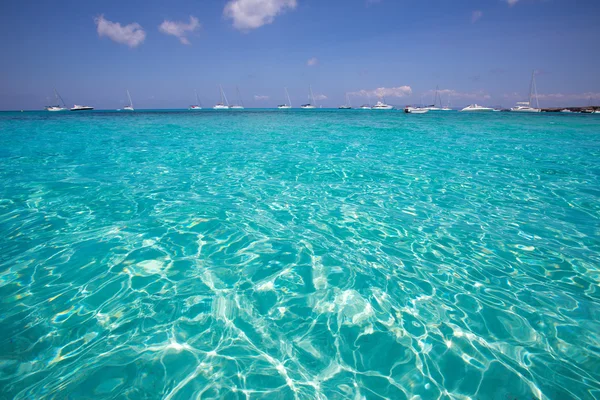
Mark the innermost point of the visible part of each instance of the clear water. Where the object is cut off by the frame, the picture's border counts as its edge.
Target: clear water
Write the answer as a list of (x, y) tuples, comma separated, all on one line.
[(299, 254)]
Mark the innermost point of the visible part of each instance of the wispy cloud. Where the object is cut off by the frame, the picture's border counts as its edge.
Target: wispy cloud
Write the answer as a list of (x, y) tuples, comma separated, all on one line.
[(312, 62), (252, 14), (131, 35), (320, 97), (512, 2), (558, 96), (476, 16), (180, 29), (400, 91), (476, 95), (259, 97)]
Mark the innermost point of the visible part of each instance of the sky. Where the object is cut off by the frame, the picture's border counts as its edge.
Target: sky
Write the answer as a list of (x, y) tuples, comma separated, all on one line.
[(476, 51)]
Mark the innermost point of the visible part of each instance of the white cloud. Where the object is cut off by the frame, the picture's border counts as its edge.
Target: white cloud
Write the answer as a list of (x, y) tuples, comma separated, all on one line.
[(259, 97), (512, 2), (476, 16), (252, 14), (399, 91), (312, 62), (320, 97), (180, 29), (131, 35), (477, 95)]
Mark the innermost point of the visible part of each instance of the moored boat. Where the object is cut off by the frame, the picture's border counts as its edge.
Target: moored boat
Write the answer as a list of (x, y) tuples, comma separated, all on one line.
[(311, 100), (59, 100), (416, 110), (476, 108), (380, 105), (129, 107), (196, 106), (77, 107), (224, 104), (525, 106), (287, 105)]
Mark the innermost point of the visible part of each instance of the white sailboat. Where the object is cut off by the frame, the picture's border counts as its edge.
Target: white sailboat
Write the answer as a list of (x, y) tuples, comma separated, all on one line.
[(239, 105), (346, 106), (476, 108), (311, 100), (198, 105), (435, 106), (129, 107), (57, 107), (224, 104), (287, 105), (526, 106)]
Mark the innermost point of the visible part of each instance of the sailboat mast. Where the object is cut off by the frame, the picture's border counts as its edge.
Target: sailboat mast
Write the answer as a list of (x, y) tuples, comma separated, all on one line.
[(531, 87), (312, 97), (537, 102), (129, 97), (288, 97), (59, 97), (223, 97), (239, 97)]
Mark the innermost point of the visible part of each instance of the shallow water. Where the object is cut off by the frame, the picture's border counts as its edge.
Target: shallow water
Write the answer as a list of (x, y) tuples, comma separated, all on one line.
[(299, 254)]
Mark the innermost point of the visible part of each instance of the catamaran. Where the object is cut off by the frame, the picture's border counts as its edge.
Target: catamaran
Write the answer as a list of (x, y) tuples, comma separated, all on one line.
[(346, 106), (476, 108), (239, 103), (224, 104), (434, 106), (128, 107), (287, 105), (311, 100), (57, 107), (525, 106), (198, 105), (380, 105)]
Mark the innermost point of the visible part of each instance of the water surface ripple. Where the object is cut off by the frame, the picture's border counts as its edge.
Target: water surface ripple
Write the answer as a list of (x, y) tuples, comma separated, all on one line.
[(299, 254)]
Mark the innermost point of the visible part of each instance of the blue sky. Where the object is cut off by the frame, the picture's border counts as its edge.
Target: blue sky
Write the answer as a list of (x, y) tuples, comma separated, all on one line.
[(476, 51)]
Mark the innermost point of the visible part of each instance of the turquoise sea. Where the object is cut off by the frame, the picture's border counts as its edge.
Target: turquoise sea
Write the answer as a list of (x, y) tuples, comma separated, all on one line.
[(296, 254)]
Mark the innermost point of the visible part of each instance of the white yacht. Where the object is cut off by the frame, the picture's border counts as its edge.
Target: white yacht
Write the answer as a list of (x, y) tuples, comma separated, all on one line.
[(597, 112), (224, 104), (239, 105), (198, 105), (566, 110), (416, 110), (287, 105), (57, 107), (380, 105), (129, 107), (77, 107), (476, 108), (311, 100), (526, 106), (346, 106)]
